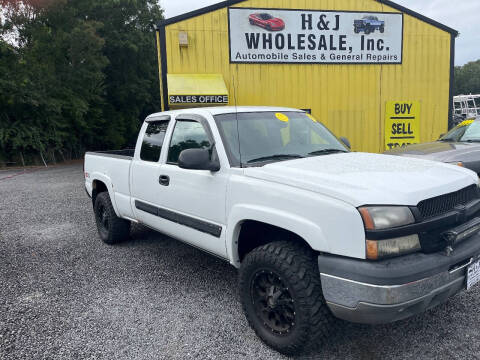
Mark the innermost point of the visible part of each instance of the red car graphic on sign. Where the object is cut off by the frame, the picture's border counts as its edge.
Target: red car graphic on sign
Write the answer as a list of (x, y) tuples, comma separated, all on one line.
[(267, 22)]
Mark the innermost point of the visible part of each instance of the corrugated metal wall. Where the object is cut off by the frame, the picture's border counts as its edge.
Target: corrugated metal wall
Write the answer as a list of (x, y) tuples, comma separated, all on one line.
[(349, 99)]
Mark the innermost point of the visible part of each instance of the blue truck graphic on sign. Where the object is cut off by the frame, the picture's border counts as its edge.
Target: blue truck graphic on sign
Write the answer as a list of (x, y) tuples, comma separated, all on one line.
[(369, 24)]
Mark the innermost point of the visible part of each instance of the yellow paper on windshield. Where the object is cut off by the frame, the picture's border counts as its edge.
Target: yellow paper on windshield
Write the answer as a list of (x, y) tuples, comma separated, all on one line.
[(282, 117)]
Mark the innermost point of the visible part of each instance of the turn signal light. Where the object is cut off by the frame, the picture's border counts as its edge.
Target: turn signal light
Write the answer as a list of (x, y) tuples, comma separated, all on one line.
[(367, 219), (372, 250)]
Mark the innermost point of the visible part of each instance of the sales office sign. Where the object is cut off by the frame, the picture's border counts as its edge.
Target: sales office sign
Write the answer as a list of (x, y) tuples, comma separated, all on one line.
[(305, 36)]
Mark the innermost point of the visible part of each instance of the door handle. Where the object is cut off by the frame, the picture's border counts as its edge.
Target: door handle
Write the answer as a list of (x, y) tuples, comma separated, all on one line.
[(164, 180)]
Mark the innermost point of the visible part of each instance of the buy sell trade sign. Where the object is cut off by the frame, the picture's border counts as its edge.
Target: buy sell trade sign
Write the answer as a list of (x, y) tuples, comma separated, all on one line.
[(402, 124)]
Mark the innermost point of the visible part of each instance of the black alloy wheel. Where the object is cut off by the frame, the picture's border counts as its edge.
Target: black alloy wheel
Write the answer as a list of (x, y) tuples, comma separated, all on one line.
[(102, 218), (273, 302), (282, 298)]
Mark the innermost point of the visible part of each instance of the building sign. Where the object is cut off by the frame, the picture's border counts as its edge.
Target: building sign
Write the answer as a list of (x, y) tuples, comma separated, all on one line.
[(402, 124), (306, 36), (197, 99)]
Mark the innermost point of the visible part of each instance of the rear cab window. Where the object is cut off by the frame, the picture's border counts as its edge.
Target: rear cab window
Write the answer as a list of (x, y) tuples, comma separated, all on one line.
[(153, 140)]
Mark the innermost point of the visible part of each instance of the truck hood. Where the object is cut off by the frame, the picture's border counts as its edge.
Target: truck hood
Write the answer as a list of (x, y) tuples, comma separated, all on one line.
[(439, 151), (368, 179)]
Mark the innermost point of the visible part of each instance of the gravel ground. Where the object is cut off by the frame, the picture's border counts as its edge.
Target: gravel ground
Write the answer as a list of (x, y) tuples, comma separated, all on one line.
[(66, 295)]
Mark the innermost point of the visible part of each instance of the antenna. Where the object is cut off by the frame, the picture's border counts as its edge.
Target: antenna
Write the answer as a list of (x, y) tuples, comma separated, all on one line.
[(236, 116)]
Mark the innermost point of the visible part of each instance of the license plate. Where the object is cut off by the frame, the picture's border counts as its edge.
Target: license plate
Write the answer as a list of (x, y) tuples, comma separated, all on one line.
[(473, 274)]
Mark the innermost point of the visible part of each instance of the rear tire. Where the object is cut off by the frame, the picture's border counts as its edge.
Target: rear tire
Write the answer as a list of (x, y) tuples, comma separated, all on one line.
[(282, 297), (111, 228)]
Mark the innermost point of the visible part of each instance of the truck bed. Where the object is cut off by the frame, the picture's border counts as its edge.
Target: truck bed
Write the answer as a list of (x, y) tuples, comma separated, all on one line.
[(126, 153), (112, 168)]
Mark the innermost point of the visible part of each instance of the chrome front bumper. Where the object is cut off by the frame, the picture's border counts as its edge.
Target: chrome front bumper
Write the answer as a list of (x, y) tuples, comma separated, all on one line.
[(374, 304), (376, 301)]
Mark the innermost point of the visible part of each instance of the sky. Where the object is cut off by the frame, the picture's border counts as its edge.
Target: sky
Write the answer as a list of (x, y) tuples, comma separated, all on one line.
[(462, 15)]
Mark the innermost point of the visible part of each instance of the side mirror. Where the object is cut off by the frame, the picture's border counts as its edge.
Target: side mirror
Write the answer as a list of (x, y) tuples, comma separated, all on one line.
[(197, 159), (346, 142)]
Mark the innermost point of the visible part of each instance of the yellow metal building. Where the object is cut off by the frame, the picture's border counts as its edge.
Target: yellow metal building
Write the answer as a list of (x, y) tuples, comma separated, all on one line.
[(355, 97)]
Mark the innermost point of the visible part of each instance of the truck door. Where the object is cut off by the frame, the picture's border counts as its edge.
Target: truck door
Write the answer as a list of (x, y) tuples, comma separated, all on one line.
[(146, 166), (191, 203)]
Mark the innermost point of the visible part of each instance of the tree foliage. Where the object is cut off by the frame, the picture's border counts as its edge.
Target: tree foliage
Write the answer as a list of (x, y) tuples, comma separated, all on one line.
[(467, 78), (76, 75)]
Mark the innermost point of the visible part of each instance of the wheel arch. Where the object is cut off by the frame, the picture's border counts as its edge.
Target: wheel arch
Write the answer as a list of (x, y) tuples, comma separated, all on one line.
[(103, 184), (250, 227)]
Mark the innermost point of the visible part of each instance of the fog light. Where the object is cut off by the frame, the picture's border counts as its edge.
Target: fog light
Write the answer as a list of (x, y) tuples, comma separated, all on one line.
[(378, 249)]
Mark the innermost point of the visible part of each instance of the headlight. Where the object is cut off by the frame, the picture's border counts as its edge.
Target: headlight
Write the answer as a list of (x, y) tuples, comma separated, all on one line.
[(386, 217), (389, 217)]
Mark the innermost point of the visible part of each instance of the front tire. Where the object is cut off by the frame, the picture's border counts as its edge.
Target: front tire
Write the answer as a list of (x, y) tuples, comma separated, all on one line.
[(282, 297), (111, 228)]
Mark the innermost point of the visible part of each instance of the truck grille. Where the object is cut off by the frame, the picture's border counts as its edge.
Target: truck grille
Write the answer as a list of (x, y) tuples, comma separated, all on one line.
[(442, 204)]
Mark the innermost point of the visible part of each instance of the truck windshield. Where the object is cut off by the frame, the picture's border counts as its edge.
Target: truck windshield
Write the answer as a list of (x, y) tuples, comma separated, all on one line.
[(467, 131), (253, 139)]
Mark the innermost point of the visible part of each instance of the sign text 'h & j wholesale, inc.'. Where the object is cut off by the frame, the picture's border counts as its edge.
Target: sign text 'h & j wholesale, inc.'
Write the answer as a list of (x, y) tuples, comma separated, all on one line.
[(303, 36)]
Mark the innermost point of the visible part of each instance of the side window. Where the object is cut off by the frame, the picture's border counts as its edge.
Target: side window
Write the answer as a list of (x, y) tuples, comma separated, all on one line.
[(153, 141), (186, 135)]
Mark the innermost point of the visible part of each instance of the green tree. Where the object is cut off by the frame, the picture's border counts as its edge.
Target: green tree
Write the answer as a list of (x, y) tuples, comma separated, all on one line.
[(132, 90), (467, 78), (58, 62), (76, 75)]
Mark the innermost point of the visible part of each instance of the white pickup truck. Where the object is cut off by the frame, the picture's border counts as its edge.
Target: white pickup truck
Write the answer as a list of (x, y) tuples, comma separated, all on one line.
[(316, 231)]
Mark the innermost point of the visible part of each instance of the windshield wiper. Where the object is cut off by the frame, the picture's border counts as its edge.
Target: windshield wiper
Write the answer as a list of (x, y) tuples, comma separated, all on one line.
[(275, 157), (326, 152), (471, 140)]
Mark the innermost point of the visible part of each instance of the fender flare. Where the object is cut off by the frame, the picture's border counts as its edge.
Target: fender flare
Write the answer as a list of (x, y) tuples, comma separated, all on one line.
[(307, 230), (96, 176)]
